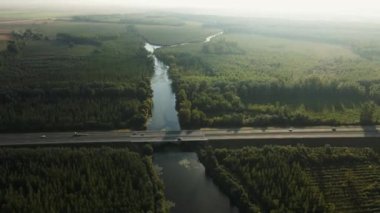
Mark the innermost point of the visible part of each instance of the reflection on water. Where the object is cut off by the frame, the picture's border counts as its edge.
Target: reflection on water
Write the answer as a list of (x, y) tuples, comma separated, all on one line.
[(187, 185), (164, 114)]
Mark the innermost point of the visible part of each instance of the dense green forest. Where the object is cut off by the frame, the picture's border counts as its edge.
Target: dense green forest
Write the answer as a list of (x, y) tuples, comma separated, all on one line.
[(66, 76), (297, 179), (281, 75), (84, 72), (78, 180), (91, 72)]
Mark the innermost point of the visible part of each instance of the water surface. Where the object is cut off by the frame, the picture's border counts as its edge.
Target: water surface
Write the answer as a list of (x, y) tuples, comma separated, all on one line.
[(187, 185), (164, 114)]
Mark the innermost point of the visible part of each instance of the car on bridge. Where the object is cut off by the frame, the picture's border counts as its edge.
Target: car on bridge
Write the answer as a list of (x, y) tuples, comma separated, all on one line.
[(77, 134)]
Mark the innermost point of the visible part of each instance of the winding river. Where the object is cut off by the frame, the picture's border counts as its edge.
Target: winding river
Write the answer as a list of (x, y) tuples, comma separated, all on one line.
[(186, 183)]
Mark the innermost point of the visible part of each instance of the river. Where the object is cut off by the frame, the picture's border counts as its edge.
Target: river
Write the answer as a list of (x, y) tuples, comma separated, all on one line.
[(164, 114), (186, 183)]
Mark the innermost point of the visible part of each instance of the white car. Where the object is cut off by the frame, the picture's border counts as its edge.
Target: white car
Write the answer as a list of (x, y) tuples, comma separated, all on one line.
[(76, 134)]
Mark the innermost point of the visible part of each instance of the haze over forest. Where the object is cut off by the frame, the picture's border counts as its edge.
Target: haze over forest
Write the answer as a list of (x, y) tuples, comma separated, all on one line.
[(351, 10), (187, 106)]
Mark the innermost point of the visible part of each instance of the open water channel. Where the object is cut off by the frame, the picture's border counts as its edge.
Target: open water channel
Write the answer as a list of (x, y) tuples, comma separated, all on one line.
[(186, 183)]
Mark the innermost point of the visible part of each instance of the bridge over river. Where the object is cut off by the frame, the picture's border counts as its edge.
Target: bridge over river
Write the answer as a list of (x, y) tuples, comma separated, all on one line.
[(214, 135)]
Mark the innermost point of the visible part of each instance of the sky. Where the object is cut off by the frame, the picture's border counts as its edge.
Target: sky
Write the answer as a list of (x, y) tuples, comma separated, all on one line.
[(282, 8)]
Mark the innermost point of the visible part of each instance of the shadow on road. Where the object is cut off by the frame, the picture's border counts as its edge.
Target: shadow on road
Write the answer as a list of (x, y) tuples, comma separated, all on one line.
[(370, 130), (172, 136)]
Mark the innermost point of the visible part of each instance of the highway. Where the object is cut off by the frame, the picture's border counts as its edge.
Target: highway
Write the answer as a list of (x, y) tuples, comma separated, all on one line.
[(119, 136)]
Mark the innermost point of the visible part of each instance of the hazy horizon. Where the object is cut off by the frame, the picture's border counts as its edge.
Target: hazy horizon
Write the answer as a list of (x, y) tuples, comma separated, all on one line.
[(303, 9)]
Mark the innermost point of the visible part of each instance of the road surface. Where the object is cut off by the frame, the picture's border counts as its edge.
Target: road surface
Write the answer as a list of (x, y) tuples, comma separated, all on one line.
[(61, 138)]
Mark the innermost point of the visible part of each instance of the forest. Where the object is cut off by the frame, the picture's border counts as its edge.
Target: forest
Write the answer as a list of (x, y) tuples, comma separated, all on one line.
[(91, 72), (296, 178), (64, 77), (78, 180), (265, 76), (84, 72)]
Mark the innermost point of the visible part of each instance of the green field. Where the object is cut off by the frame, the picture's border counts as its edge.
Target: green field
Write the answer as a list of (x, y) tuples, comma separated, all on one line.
[(297, 179), (287, 74), (78, 180)]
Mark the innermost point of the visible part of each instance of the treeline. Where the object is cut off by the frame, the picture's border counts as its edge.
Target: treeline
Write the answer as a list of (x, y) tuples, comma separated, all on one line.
[(282, 179), (304, 90), (76, 107), (75, 40), (74, 113), (139, 90), (221, 46), (71, 106), (247, 103), (20, 39), (28, 34), (78, 180)]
